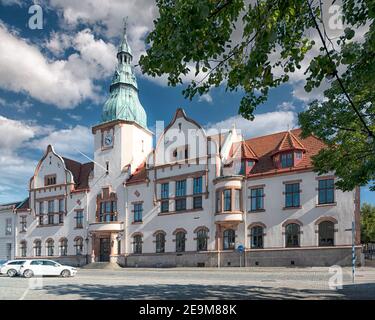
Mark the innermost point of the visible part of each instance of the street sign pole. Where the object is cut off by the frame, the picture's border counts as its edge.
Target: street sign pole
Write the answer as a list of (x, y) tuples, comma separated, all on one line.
[(353, 251)]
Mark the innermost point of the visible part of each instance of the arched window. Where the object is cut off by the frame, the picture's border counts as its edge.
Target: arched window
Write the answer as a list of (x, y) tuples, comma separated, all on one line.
[(63, 247), (202, 236), (326, 234), (50, 247), (229, 239), (292, 234), (23, 248), (37, 248), (160, 242), (78, 244), (137, 244), (256, 237), (180, 241)]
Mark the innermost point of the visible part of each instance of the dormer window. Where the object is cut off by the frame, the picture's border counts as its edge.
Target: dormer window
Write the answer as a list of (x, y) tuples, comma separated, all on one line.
[(250, 163), (298, 155), (287, 160)]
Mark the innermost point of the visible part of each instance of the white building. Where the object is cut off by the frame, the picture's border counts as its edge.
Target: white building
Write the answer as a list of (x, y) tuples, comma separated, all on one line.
[(192, 200)]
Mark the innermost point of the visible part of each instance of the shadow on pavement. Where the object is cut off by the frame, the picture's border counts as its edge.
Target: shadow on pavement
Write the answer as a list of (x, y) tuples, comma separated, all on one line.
[(166, 291)]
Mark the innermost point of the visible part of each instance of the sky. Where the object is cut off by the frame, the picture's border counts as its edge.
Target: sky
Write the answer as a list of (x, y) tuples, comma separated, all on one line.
[(55, 80)]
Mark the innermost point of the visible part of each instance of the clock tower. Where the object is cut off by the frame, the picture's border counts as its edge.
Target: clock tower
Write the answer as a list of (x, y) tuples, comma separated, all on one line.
[(122, 139)]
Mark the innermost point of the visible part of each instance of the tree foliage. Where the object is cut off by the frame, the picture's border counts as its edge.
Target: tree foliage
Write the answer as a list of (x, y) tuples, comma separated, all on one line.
[(367, 223), (256, 45)]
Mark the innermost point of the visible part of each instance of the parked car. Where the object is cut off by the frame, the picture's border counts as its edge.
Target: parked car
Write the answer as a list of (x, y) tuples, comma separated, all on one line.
[(12, 267), (46, 268)]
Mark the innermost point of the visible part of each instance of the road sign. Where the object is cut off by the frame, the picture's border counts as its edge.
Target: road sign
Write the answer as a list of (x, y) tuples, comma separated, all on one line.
[(240, 248)]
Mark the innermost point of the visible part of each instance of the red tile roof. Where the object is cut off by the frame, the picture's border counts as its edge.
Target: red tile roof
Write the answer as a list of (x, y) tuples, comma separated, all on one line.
[(265, 146), (139, 175), (289, 142), (80, 172), (246, 151)]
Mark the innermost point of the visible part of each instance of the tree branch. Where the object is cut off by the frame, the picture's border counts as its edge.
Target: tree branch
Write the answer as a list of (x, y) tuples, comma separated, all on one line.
[(368, 130)]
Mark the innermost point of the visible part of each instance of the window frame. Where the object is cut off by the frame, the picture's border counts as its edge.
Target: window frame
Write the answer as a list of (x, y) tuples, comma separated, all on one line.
[(325, 243), (257, 198), (228, 235), (138, 212), (287, 160), (160, 242), (295, 236), (325, 190), (259, 235), (294, 194)]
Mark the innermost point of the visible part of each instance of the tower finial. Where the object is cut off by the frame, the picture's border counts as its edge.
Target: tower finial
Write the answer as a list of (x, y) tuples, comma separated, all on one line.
[(125, 20)]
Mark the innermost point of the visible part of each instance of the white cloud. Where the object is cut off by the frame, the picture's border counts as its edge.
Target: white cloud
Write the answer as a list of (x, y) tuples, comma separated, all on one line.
[(13, 133), (16, 163), (206, 98), (64, 83), (67, 142), (264, 123), (286, 106), (75, 117), (19, 106)]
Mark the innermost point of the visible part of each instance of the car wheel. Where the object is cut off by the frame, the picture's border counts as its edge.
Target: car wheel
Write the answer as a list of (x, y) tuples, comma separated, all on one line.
[(28, 273), (65, 273), (11, 273)]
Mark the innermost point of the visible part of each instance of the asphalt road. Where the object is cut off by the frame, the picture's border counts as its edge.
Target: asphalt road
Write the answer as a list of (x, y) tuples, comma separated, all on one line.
[(193, 283)]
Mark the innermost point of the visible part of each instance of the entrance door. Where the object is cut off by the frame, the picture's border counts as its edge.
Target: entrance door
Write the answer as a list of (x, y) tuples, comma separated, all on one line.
[(104, 249)]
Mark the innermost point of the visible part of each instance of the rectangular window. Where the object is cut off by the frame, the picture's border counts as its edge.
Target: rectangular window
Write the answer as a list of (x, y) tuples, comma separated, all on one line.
[(41, 207), (180, 192), (218, 201), (51, 210), (101, 212), (79, 219), (164, 191), (287, 160), (237, 200), (326, 191), (138, 210), (61, 205), (51, 219), (197, 185), (256, 197), (8, 226), (23, 224), (164, 206), (164, 194), (292, 197), (61, 218), (50, 180), (180, 204), (197, 202), (51, 206), (227, 200), (180, 188)]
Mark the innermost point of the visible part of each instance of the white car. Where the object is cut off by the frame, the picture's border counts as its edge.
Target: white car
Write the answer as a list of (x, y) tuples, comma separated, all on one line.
[(11, 267), (46, 268)]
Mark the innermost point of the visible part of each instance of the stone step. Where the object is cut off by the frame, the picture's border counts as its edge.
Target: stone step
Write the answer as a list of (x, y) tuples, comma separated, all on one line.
[(101, 265)]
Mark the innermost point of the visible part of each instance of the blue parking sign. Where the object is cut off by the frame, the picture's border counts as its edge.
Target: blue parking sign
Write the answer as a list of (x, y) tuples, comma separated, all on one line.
[(240, 248)]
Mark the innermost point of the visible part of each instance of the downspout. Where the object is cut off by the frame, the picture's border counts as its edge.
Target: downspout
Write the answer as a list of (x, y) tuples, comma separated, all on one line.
[(87, 227)]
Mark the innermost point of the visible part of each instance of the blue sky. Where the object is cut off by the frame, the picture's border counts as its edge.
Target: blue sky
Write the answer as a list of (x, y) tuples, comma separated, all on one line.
[(54, 81)]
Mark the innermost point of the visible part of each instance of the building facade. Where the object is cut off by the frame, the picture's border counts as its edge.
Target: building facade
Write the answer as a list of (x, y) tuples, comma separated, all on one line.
[(191, 198)]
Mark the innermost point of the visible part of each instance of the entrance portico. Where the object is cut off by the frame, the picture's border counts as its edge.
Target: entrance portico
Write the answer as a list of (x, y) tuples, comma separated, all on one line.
[(105, 241)]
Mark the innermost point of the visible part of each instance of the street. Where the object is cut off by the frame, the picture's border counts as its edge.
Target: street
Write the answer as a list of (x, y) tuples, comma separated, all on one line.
[(193, 283)]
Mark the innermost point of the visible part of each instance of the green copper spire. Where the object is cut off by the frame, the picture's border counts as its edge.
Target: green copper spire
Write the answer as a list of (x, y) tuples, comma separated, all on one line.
[(123, 102)]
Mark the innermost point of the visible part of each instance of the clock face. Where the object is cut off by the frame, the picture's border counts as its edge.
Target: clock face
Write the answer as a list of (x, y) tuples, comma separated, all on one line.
[(108, 139)]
